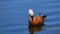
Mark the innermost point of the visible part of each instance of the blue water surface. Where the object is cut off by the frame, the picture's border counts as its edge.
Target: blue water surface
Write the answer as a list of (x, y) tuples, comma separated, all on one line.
[(14, 16)]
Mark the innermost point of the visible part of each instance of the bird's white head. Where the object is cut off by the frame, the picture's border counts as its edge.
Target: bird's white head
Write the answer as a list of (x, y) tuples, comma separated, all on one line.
[(31, 13)]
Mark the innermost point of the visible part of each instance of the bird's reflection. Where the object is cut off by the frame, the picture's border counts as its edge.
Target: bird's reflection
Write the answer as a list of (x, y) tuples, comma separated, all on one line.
[(33, 29)]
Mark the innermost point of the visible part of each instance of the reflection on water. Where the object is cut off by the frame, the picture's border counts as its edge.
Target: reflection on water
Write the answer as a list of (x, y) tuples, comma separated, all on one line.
[(33, 29)]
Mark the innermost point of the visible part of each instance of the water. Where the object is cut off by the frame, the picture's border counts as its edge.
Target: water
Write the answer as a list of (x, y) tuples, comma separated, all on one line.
[(14, 16)]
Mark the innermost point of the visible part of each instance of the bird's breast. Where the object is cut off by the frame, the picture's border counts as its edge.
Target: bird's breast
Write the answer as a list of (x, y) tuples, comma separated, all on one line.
[(36, 21)]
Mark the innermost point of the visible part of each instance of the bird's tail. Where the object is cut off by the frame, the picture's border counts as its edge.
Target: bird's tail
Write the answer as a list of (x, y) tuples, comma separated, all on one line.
[(40, 14), (44, 16)]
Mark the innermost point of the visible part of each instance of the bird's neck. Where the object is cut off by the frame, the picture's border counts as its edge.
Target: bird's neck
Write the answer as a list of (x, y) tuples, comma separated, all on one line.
[(32, 17)]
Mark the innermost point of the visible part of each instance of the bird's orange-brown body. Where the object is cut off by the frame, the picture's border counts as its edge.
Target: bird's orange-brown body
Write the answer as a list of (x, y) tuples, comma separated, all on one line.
[(37, 20)]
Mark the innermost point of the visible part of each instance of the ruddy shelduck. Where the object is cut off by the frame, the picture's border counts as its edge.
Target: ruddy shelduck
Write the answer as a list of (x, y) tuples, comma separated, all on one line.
[(35, 20)]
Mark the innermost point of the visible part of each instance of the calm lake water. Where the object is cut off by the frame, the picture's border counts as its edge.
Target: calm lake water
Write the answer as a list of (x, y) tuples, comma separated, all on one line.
[(14, 16)]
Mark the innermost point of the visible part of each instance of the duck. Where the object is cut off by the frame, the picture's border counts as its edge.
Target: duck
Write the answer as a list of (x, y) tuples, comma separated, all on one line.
[(35, 20)]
